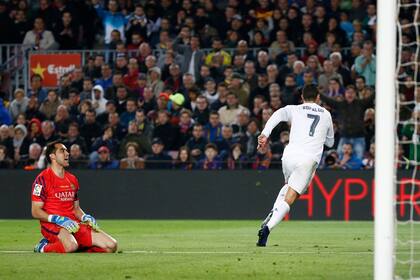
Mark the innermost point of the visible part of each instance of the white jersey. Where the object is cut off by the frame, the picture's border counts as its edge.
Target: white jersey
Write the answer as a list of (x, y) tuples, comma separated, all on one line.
[(311, 128)]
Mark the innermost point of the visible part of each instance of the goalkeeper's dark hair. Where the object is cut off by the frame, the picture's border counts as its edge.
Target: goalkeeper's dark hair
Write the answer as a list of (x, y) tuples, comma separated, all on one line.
[(51, 149), (310, 92)]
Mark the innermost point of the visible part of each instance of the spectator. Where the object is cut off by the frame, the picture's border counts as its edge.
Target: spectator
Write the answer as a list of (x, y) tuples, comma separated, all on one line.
[(230, 111), (210, 161), (132, 160), (193, 56), (86, 92), (369, 158), (78, 160), (213, 129), (154, 80), (106, 80), (183, 161), (197, 142), (210, 92), (111, 19), (349, 160), (262, 159), (144, 126), (5, 161), (328, 74), (6, 140), (32, 111), (5, 117), (290, 94), (49, 106), (40, 38), (201, 112), (164, 130), (222, 92), (350, 113), (19, 104), (31, 163), (335, 90), (129, 114), (20, 143), (158, 159), (337, 61), (218, 53), (67, 32), (237, 159), (251, 140), (73, 137), (34, 127), (62, 121), (48, 133), (108, 140), (141, 141), (365, 64), (98, 99), (184, 128), (224, 144), (104, 160), (90, 129)]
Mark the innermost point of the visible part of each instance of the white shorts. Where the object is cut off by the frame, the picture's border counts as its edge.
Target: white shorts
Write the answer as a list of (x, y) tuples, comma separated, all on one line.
[(298, 172)]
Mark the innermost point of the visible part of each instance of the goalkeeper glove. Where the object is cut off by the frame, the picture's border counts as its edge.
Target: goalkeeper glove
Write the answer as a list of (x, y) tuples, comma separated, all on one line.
[(88, 219), (64, 222)]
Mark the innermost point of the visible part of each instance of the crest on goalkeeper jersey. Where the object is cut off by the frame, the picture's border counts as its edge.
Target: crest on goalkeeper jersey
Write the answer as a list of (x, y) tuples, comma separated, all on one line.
[(37, 190)]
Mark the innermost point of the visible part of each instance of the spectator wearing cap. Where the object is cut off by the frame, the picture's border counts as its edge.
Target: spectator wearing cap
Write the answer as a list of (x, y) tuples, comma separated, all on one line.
[(154, 80), (183, 160), (131, 159), (217, 50), (210, 90), (213, 129), (47, 133), (5, 117), (197, 142), (175, 105), (104, 160), (111, 19), (164, 130), (129, 114), (39, 37), (174, 81), (158, 159), (19, 103), (20, 143), (210, 160), (201, 112), (231, 110), (340, 68), (50, 104), (162, 101)]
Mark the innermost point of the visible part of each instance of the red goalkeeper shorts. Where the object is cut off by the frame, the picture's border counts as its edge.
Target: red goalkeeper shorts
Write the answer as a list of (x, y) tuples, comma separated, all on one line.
[(83, 235)]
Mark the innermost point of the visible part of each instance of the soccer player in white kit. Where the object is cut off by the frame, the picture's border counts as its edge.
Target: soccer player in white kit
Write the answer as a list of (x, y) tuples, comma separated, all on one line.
[(311, 129)]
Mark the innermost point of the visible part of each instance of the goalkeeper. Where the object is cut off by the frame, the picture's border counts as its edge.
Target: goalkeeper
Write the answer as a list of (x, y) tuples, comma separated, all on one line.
[(65, 226)]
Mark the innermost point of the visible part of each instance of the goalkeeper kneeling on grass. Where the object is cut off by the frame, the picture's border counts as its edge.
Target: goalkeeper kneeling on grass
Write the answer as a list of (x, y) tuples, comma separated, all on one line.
[(65, 226)]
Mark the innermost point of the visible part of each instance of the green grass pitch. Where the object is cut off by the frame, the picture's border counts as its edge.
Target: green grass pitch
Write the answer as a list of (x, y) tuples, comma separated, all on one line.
[(161, 249)]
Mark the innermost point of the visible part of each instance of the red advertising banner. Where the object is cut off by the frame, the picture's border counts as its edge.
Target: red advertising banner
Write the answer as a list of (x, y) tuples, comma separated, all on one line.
[(52, 66)]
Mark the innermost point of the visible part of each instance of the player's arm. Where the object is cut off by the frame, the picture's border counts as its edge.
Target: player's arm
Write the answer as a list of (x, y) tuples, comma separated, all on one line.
[(85, 218), (38, 211), (281, 115), (329, 140), (64, 222)]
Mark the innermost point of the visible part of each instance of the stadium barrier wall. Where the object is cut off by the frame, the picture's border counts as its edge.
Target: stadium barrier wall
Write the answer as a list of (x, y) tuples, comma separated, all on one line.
[(117, 194)]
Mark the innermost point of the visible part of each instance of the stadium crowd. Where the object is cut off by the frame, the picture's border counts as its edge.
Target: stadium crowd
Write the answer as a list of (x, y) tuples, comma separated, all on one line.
[(175, 96)]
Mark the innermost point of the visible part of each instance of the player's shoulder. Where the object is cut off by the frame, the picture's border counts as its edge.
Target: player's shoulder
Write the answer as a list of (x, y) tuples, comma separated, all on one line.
[(43, 178), (71, 176)]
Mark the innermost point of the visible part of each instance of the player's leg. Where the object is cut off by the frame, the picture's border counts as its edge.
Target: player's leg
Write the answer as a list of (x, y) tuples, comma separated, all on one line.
[(65, 243), (95, 241), (104, 241)]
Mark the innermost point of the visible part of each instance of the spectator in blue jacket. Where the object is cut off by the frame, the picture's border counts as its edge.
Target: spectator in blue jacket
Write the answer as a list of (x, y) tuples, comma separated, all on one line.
[(4, 114), (104, 160), (349, 160)]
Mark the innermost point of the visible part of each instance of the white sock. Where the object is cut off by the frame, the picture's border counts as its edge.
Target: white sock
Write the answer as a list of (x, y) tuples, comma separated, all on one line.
[(280, 210)]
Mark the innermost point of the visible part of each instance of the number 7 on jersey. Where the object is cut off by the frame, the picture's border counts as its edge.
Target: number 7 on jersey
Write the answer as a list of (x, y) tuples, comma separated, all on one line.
[(314, 123)]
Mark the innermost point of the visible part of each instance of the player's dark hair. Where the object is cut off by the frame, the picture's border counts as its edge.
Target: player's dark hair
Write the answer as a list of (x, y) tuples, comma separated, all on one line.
[(51, 149), (310, 92)]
